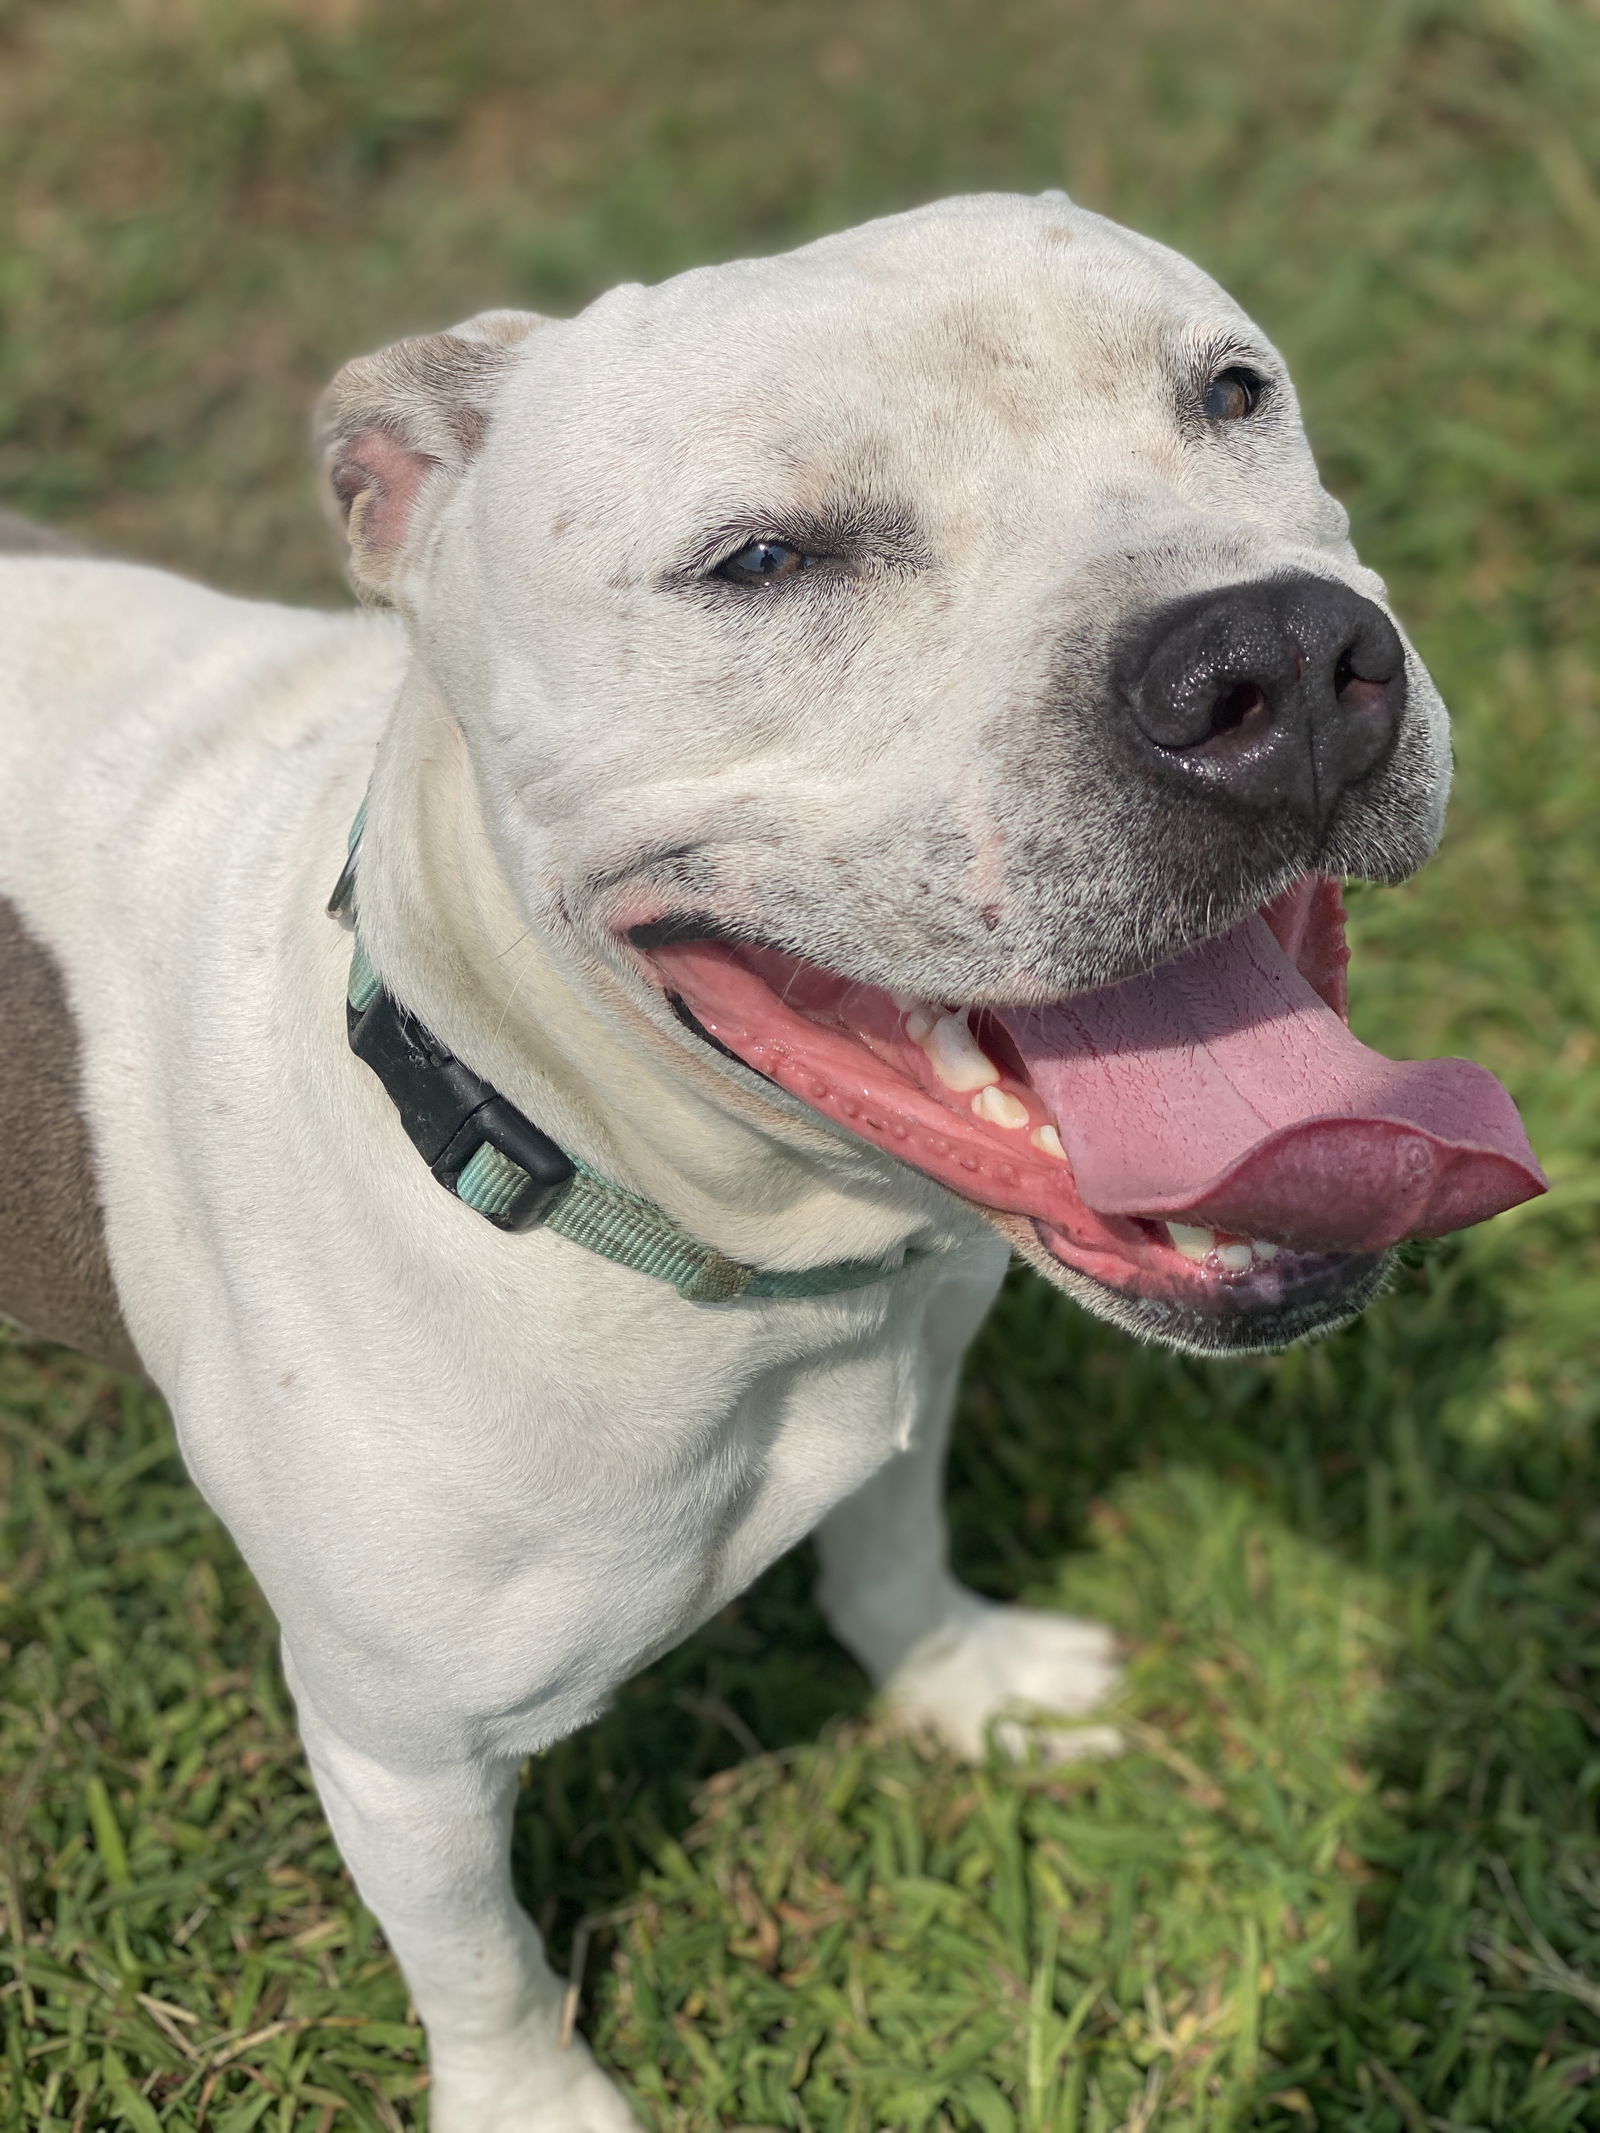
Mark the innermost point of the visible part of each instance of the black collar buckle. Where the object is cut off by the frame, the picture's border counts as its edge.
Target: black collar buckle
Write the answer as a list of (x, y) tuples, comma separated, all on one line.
[(449, 1113)]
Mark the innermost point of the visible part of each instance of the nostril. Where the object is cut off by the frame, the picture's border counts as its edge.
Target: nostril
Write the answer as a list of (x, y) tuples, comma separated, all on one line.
[(1359, 693), (1245, 704)]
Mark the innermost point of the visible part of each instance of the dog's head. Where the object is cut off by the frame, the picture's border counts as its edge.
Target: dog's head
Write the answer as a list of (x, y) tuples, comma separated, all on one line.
[(930, 661)]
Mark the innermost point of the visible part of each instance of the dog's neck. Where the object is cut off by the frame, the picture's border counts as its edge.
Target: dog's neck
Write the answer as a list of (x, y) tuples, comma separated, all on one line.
[(588, 1055)]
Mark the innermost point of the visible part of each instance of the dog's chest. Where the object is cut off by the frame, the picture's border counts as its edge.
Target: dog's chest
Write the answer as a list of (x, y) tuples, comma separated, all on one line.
[(805, 1436), (553, 1496)]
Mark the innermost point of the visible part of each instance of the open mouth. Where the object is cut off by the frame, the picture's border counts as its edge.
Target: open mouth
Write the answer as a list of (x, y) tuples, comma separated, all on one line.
[(1207, 1145)]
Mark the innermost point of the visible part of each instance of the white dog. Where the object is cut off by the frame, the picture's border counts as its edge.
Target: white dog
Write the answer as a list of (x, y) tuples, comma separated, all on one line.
[(857, 767)]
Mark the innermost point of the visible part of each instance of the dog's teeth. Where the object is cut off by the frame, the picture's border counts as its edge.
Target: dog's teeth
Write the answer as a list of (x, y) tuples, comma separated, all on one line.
[(919, 1022), (1237, 1256), (1048, 1142), (998, 1107), (958, 1059)]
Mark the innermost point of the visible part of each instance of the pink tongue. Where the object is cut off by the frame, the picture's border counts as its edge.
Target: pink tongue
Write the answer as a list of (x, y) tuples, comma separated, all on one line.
[(1221, 1089)]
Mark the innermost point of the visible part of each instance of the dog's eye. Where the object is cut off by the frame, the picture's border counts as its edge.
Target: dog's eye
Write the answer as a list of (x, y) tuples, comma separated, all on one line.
[(761, 562), (1233, 394)]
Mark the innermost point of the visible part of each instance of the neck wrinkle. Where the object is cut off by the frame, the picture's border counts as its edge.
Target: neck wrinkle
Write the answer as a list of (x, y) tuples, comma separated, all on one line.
[(559, 1036)]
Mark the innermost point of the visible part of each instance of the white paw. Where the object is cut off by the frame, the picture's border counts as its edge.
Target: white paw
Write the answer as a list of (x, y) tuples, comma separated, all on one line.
[(994, 1666), (553, 2091)]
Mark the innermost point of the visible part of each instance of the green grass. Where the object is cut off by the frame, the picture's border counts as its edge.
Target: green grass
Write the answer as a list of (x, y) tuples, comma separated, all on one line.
[(1349, 1874)]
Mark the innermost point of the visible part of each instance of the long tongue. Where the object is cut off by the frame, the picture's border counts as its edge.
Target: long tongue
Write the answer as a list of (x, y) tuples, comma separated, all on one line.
[(1221, 1089)]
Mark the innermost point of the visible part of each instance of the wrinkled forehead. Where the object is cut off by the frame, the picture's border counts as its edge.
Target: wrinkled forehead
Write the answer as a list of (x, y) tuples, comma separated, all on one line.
[(977, 327)]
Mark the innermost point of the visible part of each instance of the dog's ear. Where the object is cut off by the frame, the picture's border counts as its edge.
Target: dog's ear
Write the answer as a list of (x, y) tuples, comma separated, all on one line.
[(394, 429)]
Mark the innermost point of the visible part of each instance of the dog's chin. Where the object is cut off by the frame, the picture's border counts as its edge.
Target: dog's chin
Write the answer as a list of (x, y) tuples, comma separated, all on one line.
[(1203, 1154)]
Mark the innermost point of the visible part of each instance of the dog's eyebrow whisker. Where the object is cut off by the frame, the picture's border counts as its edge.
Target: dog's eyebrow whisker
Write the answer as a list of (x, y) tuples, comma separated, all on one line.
[(510, 1003), (512, 946)]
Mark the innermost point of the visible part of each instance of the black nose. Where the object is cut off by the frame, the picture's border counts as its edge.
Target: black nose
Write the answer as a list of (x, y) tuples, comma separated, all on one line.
[(1279, 694)]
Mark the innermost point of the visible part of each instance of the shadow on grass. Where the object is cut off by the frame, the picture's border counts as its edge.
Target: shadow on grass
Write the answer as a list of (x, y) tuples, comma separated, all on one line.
[(760, 1680), (1439, 1460)]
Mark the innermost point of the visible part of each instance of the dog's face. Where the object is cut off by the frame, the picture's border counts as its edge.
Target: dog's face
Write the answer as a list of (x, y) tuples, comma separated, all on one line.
[(882, 651)]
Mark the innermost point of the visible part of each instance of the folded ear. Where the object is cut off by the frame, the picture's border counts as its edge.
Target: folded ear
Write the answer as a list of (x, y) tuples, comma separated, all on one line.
[(394, 429)]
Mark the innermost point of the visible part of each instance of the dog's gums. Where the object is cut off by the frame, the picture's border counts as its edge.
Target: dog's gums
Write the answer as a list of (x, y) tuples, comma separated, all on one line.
[(1209, 1137)]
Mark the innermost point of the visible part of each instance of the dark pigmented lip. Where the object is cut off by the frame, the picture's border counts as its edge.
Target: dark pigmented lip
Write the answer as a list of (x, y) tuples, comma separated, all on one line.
[(686, 1015), (675, 928), (1321, 1293)]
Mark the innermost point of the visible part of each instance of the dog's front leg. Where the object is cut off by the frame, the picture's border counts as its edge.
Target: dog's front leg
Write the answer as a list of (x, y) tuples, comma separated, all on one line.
[(946, 1661), (429, 1849)]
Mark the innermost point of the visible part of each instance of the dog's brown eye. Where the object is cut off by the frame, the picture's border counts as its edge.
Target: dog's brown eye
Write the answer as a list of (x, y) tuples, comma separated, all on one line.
[(1233, 394), (761, 562)]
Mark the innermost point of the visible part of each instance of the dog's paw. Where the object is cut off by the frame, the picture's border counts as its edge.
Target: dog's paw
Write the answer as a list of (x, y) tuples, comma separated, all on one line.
[(1004, 1670), (559, 2091)]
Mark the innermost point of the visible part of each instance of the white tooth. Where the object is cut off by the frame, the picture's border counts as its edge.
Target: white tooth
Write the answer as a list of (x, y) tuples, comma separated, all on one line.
[(1235, 1257), (905, 1000), (1264, 1250), (1048, 1142), (958, 1059), (1000, 1108), (1193, 1240), (919, 1021)]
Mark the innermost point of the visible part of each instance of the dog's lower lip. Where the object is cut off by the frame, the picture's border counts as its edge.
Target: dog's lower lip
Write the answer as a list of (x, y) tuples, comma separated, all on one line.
[(1329, 1290), (686, 1015)]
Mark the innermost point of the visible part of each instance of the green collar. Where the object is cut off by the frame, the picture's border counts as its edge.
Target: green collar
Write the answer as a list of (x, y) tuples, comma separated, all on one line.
[(505, 1168)]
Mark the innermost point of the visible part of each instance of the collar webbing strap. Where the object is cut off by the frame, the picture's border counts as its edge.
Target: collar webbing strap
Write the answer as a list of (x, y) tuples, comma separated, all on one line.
[(617, 1224), (501, 1165)]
